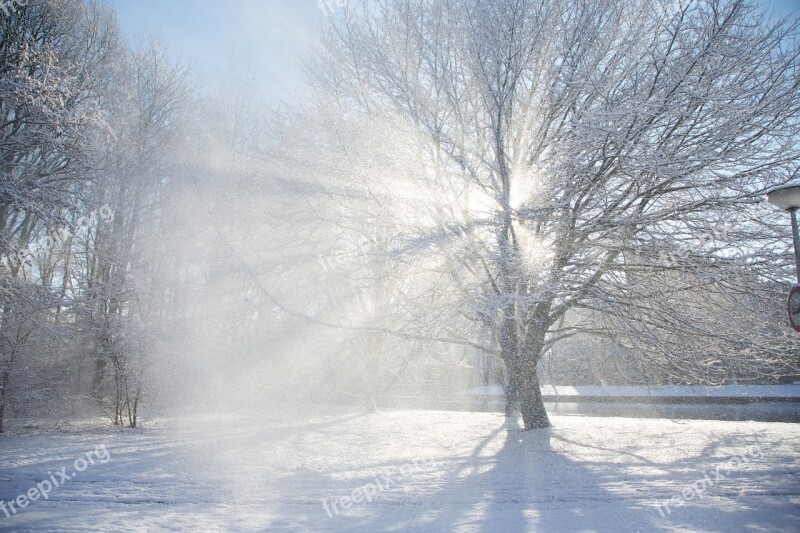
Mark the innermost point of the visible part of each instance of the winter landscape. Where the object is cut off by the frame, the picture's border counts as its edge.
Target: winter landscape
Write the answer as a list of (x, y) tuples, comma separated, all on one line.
[(411, 471), (399, 265)]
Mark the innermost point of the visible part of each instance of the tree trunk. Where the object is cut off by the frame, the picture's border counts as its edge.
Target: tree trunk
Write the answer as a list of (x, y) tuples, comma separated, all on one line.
[(531, 402), (534, 415), (3, 385), (509, 348), (98, 380), (512, 398), (134, 422), (6, 361), (133, 409)]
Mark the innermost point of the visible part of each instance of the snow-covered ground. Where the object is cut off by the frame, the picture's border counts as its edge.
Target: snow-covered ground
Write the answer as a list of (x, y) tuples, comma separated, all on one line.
[(406, 471)]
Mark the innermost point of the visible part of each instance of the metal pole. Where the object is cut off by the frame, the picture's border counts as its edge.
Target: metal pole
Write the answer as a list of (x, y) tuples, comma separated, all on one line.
[(796, 237)]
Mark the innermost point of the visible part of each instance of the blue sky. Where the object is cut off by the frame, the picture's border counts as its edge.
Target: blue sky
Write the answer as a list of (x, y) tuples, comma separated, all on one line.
[(245, 42), (784, 6), (251, 42)]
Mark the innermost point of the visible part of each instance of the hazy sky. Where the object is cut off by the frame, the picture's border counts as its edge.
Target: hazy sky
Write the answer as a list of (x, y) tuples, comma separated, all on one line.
[(254, 42)]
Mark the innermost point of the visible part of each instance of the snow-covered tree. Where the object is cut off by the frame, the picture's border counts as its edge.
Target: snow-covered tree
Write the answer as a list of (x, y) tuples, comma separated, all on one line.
[(123, 258), (54, 56), (592, 147), (52, 60)]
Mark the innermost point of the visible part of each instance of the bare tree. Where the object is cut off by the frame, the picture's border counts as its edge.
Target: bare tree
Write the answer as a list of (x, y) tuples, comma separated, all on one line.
[(589, 138), (53, 58), (121, 263)]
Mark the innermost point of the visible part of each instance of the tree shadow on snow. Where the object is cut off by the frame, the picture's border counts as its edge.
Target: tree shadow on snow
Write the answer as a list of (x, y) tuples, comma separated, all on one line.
[(529, 484), (525, 486)]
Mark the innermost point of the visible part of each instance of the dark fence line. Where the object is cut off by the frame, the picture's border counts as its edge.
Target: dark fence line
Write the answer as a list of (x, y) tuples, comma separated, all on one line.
[(763, 409)]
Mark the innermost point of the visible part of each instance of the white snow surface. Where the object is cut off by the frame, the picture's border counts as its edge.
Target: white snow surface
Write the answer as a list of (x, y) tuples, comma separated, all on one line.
[(447, 471)]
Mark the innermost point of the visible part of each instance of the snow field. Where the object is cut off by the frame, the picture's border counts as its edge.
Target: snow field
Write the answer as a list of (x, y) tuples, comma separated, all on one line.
[(339, 470)]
